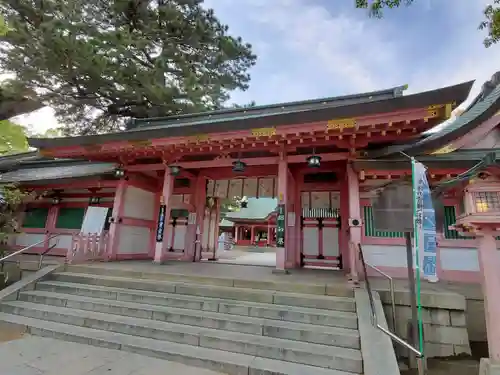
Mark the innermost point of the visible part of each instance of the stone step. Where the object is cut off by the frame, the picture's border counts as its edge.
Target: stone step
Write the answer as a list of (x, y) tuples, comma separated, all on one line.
[(267, 347), (341, 337), (214, 291), (254, 309), (216, 360), (333, 289)]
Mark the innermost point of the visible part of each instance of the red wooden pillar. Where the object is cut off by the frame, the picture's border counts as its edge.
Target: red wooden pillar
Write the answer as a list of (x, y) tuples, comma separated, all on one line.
[(354, 212), (168, 188)]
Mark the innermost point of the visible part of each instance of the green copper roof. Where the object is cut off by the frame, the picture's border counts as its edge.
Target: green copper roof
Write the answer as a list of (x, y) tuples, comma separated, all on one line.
[(483, 107), (257, 209)]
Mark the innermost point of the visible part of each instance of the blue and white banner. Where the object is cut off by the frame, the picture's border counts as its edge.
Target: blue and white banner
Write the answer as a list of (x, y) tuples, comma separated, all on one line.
[(424, 224)]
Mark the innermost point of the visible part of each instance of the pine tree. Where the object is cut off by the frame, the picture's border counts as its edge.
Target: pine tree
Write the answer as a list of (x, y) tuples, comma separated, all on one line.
[(99, 62)]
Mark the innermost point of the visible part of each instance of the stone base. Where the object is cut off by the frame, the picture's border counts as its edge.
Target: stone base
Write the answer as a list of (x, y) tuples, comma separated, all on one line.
[(278, 271), (486, 367)]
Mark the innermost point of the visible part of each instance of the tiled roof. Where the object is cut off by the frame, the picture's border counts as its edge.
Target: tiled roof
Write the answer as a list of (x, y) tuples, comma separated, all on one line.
[(484, 106), (55, 173), (226, 224), (216, 122), (257, 209)]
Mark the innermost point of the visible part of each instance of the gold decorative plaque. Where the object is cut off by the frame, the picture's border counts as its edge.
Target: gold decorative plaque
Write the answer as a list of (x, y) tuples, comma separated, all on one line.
[(199, 138), (444, 150), (263, 132), (142, 143), (344, 123)]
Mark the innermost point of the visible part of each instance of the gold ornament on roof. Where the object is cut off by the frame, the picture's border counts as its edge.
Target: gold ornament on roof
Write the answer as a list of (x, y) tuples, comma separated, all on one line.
[(263, 132), (340, 124)]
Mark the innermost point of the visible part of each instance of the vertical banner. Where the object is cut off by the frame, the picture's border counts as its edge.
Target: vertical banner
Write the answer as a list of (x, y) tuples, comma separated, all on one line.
[(280, 226), (161, 223), (425, 224)]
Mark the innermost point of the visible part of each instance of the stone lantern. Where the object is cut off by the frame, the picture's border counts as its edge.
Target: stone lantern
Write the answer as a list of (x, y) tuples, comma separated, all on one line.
[(481, 218)]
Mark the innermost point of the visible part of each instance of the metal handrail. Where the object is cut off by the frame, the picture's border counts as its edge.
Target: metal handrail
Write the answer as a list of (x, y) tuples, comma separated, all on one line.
[(391, 289), (27, 247), (43, 253), (374, 318)]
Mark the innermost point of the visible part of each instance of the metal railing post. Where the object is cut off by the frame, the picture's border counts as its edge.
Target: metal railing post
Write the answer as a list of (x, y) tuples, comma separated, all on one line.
[(394, 337)]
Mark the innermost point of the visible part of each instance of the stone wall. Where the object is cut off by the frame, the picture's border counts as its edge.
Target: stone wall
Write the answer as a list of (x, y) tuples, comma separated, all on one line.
[(443, 315)]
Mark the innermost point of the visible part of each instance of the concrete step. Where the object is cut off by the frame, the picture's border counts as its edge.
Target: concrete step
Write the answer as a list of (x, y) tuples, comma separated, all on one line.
[(267, 347), (214, 291), (341, 337), (217, 360), (254, 309), (163, 273)]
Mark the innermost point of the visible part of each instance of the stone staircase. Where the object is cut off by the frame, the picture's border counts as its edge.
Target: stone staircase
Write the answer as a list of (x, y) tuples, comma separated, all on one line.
[(254, 328)]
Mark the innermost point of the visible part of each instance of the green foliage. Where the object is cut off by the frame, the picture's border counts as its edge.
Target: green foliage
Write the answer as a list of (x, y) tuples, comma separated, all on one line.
[(491, 13), (3, 26), (100, 62), (492, 23), (11, 199), (249, 105), (12, 138)]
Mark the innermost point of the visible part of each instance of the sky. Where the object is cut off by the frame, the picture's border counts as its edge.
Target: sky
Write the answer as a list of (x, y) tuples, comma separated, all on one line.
[(310, 49)]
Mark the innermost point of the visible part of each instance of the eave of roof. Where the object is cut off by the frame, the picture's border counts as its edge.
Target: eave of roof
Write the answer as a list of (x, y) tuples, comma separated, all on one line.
[(483, 107), (457, 93), (270, 109), (13, 159), (56, 172), (463, 158)]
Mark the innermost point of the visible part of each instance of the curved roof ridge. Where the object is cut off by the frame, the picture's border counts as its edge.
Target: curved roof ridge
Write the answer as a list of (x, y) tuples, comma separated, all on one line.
[(393, 91), (484, 106)]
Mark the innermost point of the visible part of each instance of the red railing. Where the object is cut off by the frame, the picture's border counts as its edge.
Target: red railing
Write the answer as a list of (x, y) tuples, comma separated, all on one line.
[(87, 247)]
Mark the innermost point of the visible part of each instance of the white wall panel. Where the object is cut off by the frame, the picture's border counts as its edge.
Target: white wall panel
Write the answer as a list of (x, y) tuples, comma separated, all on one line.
[(63, 241), (385, 255), (27, 239), (139, 204), (459, 259), (180, 237), (310, 240), (134, 240), (330, 241)]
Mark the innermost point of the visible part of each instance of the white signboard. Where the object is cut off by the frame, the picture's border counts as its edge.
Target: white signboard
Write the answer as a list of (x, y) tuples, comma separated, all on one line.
[(94, 220)]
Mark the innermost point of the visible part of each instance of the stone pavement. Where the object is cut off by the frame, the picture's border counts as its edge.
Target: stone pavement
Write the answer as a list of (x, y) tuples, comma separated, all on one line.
[(43, 356)]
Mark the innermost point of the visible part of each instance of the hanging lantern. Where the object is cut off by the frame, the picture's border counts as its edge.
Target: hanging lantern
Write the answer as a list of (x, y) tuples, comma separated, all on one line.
[(244, 202), (94, 200), (314, 161), (119, 173), (239, 166), (174, 170)]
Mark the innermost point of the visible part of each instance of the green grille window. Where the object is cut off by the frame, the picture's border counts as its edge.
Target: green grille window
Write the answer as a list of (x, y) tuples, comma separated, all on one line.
[(70, 218), (370, 229), (35, 218), (450, 217)]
